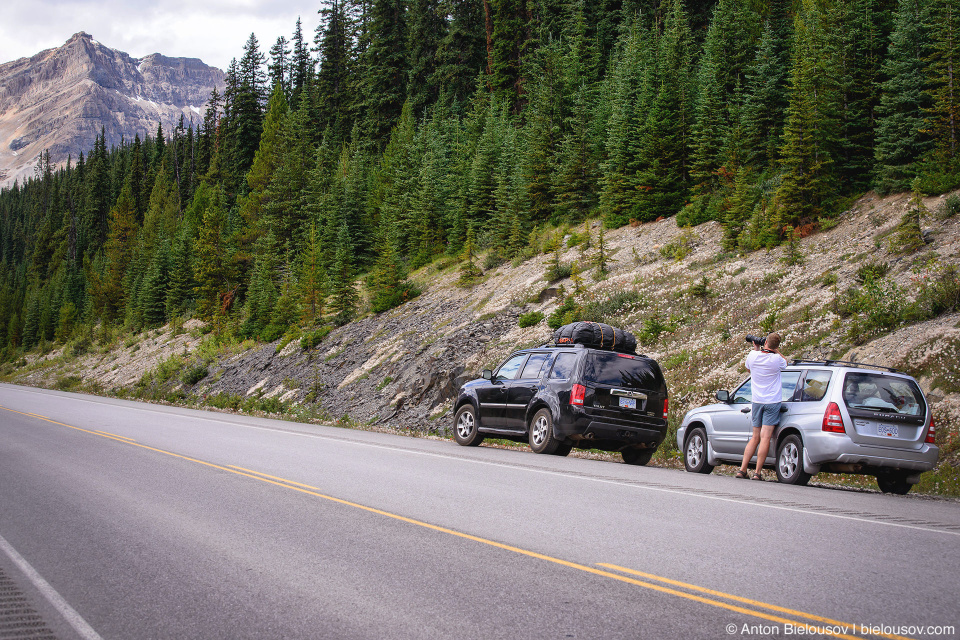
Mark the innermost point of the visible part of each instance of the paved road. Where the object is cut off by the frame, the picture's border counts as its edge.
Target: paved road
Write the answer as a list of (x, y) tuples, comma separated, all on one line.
[(124, 520)]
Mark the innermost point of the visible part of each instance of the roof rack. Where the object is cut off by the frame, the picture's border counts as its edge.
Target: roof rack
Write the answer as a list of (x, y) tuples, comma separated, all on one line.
[(844, 363), (552, 344)]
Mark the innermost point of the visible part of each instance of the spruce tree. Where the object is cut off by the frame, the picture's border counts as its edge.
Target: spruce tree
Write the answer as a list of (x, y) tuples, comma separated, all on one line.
[(334, 43), (343, 291), (943, 116), (809, 185), (384, 70), (902, 136)]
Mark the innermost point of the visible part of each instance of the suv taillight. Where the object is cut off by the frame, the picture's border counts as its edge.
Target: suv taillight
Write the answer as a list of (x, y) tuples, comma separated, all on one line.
[(832, 420), (577, 393), (931, 433), (666, 406)]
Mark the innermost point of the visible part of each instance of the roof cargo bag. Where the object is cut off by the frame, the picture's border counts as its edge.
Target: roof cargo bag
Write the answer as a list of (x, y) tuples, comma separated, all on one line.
[(596, 335)]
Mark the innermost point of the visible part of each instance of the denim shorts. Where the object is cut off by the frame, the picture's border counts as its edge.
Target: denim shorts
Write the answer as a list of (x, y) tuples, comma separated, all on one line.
[(766, 414)]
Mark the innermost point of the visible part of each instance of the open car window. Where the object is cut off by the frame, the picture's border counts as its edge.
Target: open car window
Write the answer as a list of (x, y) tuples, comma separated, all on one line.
[(815, 386)]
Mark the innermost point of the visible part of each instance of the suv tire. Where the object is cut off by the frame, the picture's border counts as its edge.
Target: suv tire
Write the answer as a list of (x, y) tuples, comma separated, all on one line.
[(542, 439), (465, 427), (695, 452), (637, 456), (790, 461), (895, 482)]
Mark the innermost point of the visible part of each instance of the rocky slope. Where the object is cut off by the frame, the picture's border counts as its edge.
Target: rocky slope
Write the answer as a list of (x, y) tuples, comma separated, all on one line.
[(59, 99), (688, 301)]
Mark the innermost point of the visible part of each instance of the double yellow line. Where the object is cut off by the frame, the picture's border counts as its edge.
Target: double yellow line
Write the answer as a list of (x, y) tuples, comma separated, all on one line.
[(746, 606)]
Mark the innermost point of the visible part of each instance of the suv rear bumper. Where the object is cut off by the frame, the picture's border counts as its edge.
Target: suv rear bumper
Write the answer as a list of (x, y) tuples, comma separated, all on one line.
[(823, 449), (607, 433)]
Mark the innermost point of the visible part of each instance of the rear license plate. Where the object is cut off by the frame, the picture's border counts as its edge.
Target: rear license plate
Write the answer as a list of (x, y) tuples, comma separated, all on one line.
[(888, 430), (628, 403)]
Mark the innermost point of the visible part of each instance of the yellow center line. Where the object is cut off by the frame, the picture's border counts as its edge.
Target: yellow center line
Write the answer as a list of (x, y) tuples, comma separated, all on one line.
[(754, 603), (113, 435), (316, 492)]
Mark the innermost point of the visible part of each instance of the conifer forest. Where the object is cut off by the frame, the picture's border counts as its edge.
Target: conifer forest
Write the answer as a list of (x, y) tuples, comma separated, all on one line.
[(386, 134)]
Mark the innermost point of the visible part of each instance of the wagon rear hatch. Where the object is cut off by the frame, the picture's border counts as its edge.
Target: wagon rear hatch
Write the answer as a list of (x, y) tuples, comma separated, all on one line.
[(624, 385), (885, 410)]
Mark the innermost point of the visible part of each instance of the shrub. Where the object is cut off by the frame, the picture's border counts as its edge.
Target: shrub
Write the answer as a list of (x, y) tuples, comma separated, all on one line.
[(701, 289), (194, 374), (313, 338), (950, 206), (566, 313), (530, 319), (872, 271), (653, 328)]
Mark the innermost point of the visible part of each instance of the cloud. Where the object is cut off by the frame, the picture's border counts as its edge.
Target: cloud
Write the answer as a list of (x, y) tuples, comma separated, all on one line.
[(213, 30)]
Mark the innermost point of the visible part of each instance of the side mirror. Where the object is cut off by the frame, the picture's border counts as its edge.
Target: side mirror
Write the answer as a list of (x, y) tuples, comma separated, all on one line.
[(723, 395), (487, 374)]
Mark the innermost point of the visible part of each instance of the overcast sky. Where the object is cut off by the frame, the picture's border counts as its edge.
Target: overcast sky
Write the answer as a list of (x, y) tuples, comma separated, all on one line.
[(212, 30)]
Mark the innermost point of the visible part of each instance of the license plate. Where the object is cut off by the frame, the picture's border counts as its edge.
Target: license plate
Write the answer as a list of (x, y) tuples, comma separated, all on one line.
[(888, 430), (628, 403)]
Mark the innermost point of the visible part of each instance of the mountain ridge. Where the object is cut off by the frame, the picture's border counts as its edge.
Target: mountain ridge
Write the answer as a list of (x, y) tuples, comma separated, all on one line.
[(59, 99)]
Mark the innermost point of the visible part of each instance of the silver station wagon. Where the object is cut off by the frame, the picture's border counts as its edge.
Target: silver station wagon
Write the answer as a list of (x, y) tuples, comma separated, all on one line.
[(838, 417)]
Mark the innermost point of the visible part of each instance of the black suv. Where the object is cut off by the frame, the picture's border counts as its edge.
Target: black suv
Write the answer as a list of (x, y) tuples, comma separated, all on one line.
[(565, 397)]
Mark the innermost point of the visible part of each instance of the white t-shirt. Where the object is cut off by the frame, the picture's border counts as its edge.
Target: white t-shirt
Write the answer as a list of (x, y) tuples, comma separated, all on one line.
[(765, 371)]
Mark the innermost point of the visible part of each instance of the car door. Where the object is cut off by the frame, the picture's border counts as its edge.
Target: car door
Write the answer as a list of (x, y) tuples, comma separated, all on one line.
[(731, 422), (492, 397), (522, 389), (736, 425)]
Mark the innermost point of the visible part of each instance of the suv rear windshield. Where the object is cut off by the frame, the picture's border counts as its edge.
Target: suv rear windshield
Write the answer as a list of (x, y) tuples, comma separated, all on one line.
[(878, 392), (621, 370)]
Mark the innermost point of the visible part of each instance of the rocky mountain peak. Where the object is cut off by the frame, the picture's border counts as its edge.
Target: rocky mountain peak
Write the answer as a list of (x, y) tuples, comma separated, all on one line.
[(59, 99)]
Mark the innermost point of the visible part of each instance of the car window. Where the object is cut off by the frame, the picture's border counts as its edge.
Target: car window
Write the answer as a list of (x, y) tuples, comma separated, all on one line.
[(622, 370), (815, 386), (508, 370), (534, 365), (788, 384), (564, 366), (743, 395), (879, 392)]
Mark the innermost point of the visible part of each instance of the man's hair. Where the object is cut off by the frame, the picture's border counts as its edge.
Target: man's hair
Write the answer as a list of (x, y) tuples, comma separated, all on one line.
[(773, 341)]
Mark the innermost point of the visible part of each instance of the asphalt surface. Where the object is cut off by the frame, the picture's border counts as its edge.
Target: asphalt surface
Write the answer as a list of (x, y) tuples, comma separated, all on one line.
[(125, 520)]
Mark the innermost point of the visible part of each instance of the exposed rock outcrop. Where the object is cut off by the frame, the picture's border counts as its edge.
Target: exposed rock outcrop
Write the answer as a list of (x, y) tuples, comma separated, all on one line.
[(59, 99)]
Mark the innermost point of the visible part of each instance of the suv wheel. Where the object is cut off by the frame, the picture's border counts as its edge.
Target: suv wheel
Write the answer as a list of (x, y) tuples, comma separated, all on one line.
[(790, 461), (635, 455), (894, 483), (695, 453), (542, 439), (465, 427)]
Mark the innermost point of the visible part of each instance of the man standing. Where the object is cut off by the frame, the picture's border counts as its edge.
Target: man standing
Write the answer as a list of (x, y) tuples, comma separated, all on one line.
[(765, 364)]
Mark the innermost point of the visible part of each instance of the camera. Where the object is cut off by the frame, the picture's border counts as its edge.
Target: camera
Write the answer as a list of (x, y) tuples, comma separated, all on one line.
[(757, 340)]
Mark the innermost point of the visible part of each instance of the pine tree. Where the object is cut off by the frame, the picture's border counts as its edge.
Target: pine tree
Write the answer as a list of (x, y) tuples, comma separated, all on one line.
[(343, 291), (155, 287), (943, 116), (385, 70), (902, 138), (661, 162), (279, 67), (212, 269), (460, 54), (864, 29), (811, 132), (334, 38), (427, 27), (301, 66), (181, 282), (312, 279), (765, 94)]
